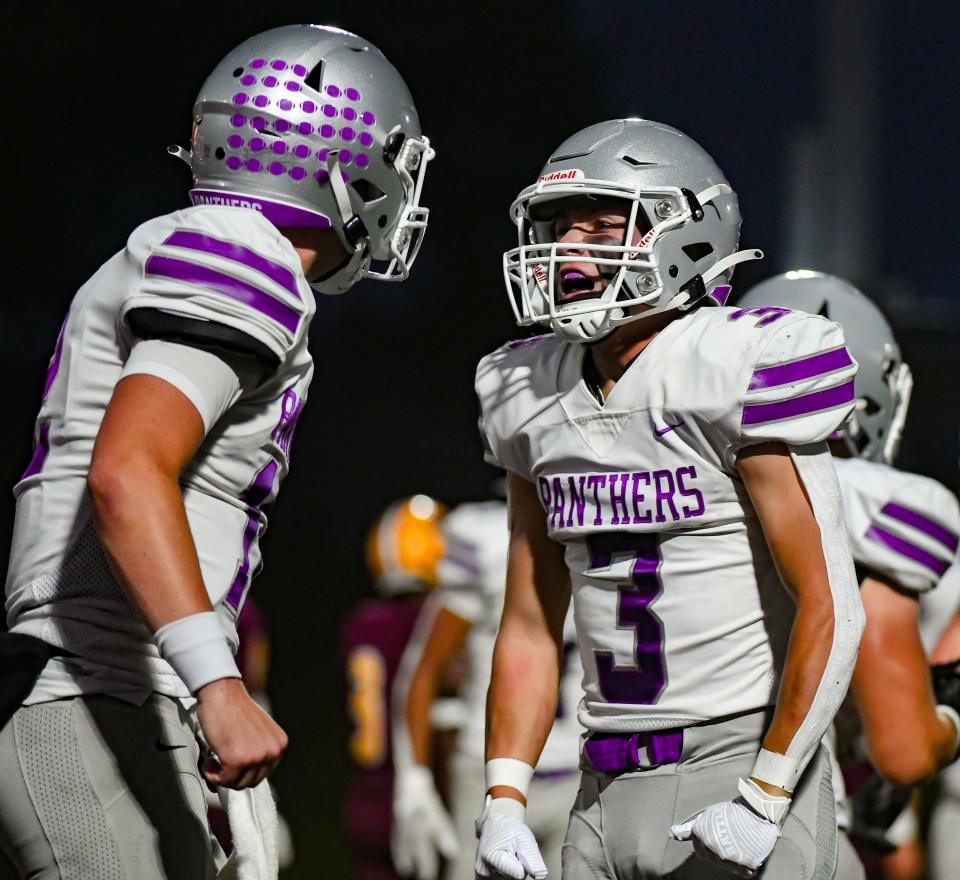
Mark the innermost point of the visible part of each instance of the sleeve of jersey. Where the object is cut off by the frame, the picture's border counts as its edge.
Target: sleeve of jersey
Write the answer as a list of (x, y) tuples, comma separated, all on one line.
[(460, 575), (227, 271), (800, 388), (499, 387), (913, 538)]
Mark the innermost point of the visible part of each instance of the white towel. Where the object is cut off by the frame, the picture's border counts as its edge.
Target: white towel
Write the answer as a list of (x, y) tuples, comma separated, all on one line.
[(253, 825)]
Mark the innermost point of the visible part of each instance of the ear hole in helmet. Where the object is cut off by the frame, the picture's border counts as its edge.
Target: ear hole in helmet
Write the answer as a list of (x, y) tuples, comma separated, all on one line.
[(382, 220), (698, 250), (673, 271), (315, 77), (219, 152), (870, 406), (367, 191), (238, 71)]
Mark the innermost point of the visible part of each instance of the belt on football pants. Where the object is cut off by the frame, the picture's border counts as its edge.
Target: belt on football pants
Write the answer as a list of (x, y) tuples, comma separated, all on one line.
[(619, 752)]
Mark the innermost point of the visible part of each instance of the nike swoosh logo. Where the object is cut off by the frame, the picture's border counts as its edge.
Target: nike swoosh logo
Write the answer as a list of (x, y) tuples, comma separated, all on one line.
[(167, 747), (661, 431)]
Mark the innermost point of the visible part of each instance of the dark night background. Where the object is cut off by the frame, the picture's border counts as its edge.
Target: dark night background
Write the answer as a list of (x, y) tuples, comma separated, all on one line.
[(837, 128)]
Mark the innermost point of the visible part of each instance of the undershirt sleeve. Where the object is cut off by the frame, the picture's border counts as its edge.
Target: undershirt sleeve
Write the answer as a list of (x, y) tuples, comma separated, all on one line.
[(206, 380)]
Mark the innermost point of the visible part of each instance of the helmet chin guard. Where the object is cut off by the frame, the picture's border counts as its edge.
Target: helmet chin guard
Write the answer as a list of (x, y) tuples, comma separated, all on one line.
[(669, 187)]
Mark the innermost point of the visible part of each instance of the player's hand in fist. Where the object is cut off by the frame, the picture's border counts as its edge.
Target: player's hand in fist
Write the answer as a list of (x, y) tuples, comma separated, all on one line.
[(246, 742), (507, 847), (736, 835), (421, 826)]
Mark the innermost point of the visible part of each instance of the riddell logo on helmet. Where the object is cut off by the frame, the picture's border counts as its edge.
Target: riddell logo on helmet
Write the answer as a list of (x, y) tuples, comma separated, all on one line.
[(568, 174)]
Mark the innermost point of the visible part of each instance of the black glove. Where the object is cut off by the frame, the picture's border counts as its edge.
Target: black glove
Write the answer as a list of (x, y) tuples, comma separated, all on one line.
[(876, 804), (946, 683)]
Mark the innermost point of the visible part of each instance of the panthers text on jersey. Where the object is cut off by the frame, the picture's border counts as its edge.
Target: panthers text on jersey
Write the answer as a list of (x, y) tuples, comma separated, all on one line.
[(680, 614), (471, 576), (903, 526), (224, 271)]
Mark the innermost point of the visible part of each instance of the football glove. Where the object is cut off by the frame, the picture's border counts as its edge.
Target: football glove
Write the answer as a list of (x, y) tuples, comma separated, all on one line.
[(876, 804), (421, 826), (733, 835), (507, 847)]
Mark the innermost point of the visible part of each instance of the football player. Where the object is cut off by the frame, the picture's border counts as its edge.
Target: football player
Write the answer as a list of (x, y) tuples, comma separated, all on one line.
[(668, 467), (904, 530), (403, 549), (165, 429), (465, 612)]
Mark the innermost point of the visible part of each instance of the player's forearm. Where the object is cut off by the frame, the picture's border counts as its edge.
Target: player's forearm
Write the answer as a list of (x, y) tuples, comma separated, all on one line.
[(143, 527), (811, 640), (522, 701), (423, 691)]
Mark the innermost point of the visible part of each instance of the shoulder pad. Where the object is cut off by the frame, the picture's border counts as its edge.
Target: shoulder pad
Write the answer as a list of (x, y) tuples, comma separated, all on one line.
[(229, 267), (903, 526), (513, 384), (800, 384)]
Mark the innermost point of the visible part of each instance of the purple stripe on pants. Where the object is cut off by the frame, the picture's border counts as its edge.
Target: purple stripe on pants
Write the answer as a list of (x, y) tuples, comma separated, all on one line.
[(905, 548), (922, 523), (219, 282), (798, 370), (197, 241), (828, 398)]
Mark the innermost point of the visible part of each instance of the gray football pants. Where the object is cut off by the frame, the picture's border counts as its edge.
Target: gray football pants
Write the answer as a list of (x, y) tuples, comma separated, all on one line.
[(620, 825), (97, 789)]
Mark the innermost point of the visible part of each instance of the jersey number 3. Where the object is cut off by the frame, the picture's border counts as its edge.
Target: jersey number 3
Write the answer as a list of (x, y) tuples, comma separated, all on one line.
[(643, 682)]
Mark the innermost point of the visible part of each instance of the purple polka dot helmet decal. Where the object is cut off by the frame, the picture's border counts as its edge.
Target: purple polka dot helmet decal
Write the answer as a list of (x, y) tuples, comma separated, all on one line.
[(291, 108)]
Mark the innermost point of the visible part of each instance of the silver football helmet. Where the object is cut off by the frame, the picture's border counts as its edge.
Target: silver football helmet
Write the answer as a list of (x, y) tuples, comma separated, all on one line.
[(313, 127), (674, 194), (883, 382)]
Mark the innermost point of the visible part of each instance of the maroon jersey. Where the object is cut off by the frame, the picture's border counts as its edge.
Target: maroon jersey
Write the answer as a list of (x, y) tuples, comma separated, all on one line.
[(373, 639)]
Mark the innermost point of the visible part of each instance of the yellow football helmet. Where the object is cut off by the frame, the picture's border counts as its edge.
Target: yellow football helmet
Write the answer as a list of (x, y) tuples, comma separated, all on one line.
[(405, 544)]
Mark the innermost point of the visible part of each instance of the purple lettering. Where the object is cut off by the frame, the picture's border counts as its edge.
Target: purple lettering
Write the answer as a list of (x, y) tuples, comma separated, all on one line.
[(638, 497), (693, 492), (595, 481), (665, 494), (290, 407), (619, 499), (545, 494), (577, 501), (558, 504)]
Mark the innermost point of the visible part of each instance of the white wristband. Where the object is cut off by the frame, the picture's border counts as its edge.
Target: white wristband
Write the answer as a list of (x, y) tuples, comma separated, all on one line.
[(777, 769), (509, 771), (950, 713), (196, 648)]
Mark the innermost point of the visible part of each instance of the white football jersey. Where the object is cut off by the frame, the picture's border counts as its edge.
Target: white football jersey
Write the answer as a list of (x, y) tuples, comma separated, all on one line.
[(903, 526), (226, 267), (471, 578), (680, 614)]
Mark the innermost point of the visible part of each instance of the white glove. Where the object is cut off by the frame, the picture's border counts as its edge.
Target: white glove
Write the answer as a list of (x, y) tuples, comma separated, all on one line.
[(507, 848), (733, 835), (421, 826)]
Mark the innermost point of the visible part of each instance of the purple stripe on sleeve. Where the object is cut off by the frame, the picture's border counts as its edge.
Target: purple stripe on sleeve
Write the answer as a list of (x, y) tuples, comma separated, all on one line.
[(828, 398), (922, 523), (219, 282), (905, 548), (798, 370), (197, 241)]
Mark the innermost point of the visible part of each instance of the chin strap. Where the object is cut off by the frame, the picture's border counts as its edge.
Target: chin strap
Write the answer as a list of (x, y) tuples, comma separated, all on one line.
[(354, 229)]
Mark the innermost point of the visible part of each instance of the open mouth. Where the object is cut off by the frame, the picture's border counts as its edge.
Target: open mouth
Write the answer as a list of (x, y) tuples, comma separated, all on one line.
[(575, 286)]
